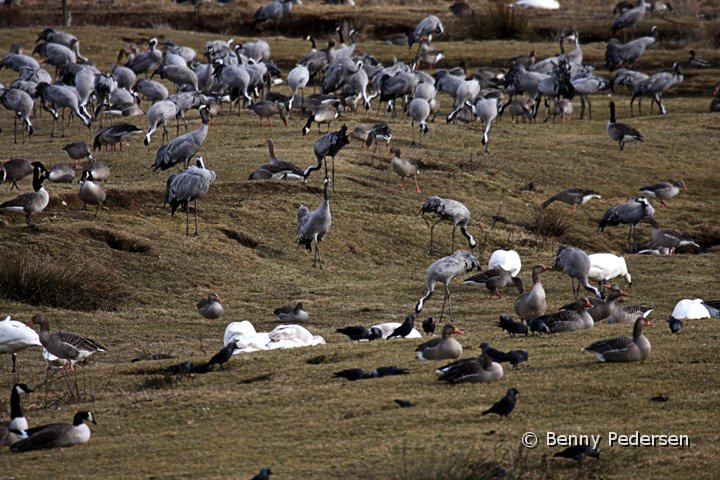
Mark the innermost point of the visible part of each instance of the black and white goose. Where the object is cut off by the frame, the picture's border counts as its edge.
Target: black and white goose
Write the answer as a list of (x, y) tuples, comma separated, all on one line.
[(57, 434), (17, 422), (698, 62), (91, 191), (621, 132), (32, 202)]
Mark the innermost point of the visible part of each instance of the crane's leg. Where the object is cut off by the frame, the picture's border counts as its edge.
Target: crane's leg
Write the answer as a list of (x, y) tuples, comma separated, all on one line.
[(187, 218), (432, 229), (197, 231), (333, 174), (165, 137), (449, 298), (15, 132), (442, 311), (14, 361), (589, 107), (453, 238)]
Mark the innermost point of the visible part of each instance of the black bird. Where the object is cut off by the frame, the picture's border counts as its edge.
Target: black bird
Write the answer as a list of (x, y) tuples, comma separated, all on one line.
[(576, 452), (404, 403), (496, 355), (353, 374), (516, 357), (674, 324), (505, 405), (538, 325), (429, 326), (264, 474), (404, 329), (512, 327), (513, 357), (360, 333), (222, 356)]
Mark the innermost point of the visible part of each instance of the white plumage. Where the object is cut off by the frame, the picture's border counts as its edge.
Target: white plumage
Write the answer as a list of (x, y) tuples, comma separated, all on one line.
[(16, 336), (508, 260), (690, 309), (606, 266)]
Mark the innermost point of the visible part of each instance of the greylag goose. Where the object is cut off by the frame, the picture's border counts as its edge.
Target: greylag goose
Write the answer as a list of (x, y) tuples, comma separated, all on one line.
[(576, 264), (505, 405), (624, 349), (267, 109), (91, 191), (17, 419), (532, 304), (31, 202), (621, 132), (100, 170), (667, 238), (623, 313), (61, 173), (14, 170), (57, 434), (16, 336), (291, 313), (113, 135), (664, 191), (444, 348), (576, 318), (471, 370), (494, 280), (448, 210), (603, 308), (572, 196), (64, 345), (211, 307), (404, 168), (427, 54)]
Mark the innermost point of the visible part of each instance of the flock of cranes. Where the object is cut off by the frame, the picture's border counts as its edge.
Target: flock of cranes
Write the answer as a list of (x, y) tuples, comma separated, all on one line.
[(349, 80)]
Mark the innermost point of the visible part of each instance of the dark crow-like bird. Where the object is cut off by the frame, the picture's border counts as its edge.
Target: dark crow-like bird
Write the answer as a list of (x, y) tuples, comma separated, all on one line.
[(576, 452), (264, 474), (505, 405), (512, 327), (353, 374), (404, 403), (222, 356), (429, 326), (538, 325), (404, 329), (513, 357), (516, 357), (360, 333), (674, 324)]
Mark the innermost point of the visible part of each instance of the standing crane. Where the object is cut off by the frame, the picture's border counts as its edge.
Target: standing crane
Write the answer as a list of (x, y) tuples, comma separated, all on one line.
[(444, 270), (189, 186), (314, 225)]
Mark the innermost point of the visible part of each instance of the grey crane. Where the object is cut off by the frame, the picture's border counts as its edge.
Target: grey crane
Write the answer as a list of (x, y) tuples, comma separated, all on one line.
[(576, 264), (184, 147), (236, 78), (21, 104), (357, 84), (618, 55), (147, 60), (91, 191), (338, 73), (655, 86), (124, 76), (160, 114), (151, 90), (627, 78), (621, 132), (486, 109), (113, 135), (314, 225), (447, 210), (59, 56), (330, 145), (180, 75), (630, 18), (298, 79), (185, 101), (189, 186), (61, 96), (259, 50), (585, 86), (273, 12), (16, 61), (426, 26), (392, 87), (419, 111), (630, 213), (444, 270)]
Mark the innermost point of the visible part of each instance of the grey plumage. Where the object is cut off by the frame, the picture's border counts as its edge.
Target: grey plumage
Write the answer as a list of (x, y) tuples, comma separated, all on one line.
[(113, 135), (56, 54), (91, 191), (147, 60), (77, 150), (31, 202), (655, 86), (630, 18), (447, 210), (426, 26), (314, 225), (189, 186), (298, 79), (54, 96), (160, 114), (621, 132), (444, 270), (14, 170), (57, 434), (329, 145), (630, 213), (273, 12), (124, 76), (184, 147), (572, 196), (16, 61), (180, 75), (21, 104), (618, 54), (419, 111), (151, 90), (576, 264)]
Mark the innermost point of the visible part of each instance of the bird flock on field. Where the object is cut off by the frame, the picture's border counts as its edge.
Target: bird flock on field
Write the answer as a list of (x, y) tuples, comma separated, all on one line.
[(164, 84)]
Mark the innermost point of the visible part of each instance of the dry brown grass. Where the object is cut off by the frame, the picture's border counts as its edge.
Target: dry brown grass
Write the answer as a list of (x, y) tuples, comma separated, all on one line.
[(298, 419)]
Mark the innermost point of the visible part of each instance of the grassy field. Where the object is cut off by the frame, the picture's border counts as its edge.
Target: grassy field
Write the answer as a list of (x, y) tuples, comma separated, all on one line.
[(299, 420)]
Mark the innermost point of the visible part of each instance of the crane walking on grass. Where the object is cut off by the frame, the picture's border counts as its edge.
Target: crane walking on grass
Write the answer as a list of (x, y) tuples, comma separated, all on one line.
[(313, 226), (189, 186), (444, 270)]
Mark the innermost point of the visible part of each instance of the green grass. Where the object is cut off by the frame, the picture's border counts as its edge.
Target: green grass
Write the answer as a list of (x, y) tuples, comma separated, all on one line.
[(301, 422)]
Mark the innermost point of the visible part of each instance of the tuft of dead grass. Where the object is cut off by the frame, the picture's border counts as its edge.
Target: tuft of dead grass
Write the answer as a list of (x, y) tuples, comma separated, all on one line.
[(497, 21), (69, 282), (547, 223)]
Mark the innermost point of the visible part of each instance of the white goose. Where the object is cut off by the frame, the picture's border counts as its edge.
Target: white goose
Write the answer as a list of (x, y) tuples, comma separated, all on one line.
[(245, 337), (508, 260), (16, 336), (690, 309), (293, 336)]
